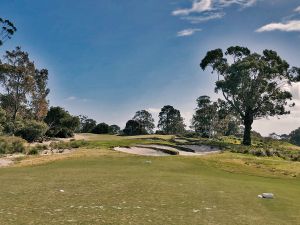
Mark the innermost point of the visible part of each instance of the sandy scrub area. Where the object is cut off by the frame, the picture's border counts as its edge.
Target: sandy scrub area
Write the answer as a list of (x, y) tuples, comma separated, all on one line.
[(8, 160), (5, 162), (152, 150)]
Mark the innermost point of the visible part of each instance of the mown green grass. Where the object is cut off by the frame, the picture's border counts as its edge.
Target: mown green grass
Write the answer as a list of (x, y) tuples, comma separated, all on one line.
[(109, 187)]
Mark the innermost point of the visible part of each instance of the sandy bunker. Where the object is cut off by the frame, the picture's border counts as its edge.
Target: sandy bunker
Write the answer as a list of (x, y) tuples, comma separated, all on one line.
[(157, 150)]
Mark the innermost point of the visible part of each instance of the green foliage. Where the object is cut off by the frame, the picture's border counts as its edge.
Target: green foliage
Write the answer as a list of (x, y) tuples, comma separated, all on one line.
[(61, 123), (295, 137), (33, 151), (252, 83), (133, 127), (17, 79), (10, 145), (145, 119), (170, 121), (68, 145), (214, 118), (32, 130), (86, 125), (114, 129), (101, 128), (7, 30)]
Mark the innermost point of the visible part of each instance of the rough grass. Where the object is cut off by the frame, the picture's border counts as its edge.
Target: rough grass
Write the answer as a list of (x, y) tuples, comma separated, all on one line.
[(101, 186)]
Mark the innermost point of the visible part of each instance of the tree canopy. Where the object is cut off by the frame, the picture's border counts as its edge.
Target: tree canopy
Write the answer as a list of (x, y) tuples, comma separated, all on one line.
[(170, 120), (252, 83), (101, 128), (214, 118), (294, 137), (133, 127), (7, 30), (146, 120), (61, 123)]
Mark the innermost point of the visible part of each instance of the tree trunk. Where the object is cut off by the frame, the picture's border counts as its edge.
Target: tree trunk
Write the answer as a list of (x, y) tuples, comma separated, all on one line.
[(248, 120)]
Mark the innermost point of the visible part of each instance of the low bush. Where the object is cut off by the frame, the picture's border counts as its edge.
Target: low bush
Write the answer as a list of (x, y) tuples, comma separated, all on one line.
[(32, 130), (10, 145), (33, 151), (68, 145)]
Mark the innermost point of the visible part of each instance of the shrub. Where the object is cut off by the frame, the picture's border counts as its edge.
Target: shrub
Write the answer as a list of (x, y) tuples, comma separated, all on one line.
[(257, 152), (68, 145), (32, 130), (10, 145), (101, 128), (134, 128), (61, 123), (33, 151)]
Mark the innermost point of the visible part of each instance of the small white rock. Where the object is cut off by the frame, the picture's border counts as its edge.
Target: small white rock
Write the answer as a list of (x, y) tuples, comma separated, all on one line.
[(61, 190)]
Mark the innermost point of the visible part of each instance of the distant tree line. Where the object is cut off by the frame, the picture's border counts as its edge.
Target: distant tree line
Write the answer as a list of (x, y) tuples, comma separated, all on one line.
[(293, 137)]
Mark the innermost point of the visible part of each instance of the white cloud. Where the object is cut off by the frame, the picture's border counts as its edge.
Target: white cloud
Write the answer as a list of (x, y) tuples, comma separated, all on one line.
[(243, 3), (289, 26), (187, 32), (197, 7), (200, 19), (297, 9), (205, 10)]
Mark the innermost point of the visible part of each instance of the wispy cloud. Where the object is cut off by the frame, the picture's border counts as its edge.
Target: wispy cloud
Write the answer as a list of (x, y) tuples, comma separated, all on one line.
[(243, 3), (297, 9), (197, 7), (289, 26), (205, 10), (187, 32), (204, 18)]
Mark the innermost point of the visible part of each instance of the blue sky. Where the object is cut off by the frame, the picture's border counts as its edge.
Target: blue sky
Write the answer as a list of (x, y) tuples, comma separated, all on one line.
[(110, 58)]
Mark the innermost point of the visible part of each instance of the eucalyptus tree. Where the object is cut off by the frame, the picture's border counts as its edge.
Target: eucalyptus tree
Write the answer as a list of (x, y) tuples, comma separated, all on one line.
[(205, 116), (145, 119), (17, 78), (39, 102), (214, 118), (170, 120), (252, 83), (86, 124), (7, 30)]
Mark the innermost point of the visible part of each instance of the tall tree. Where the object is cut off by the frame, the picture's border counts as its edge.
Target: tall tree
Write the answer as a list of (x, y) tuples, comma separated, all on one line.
[(145, 119), (7, 30), (214, 118), (86, 125), (40, 92), (17, 79), (251, 83), (170, 120), (205, 116)]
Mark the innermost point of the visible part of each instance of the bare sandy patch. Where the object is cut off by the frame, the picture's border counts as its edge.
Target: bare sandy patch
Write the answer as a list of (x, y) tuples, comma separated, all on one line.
[(154, 150), (5, 162), (141, 151)]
